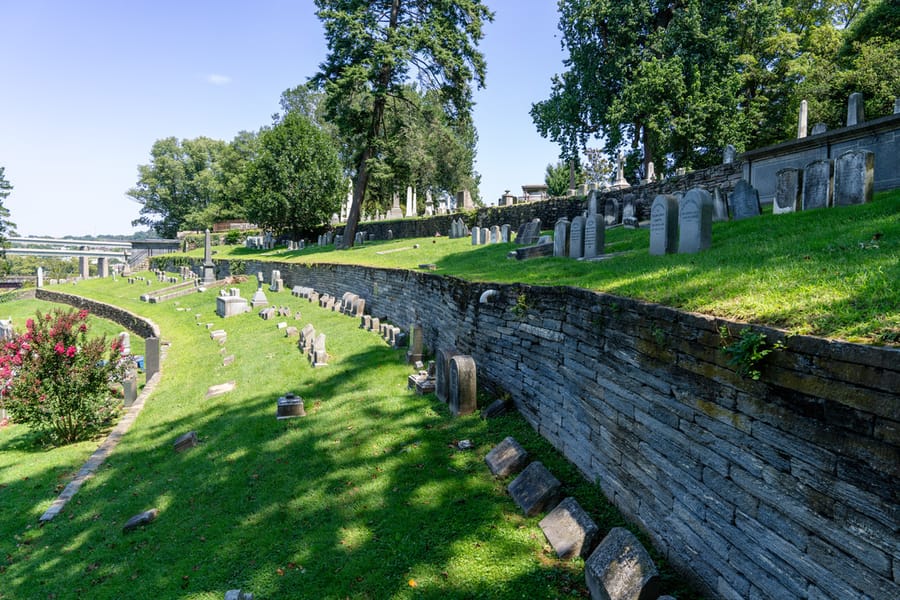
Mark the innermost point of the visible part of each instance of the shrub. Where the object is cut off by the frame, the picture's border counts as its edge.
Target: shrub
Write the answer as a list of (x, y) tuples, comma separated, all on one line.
[(55, 378)]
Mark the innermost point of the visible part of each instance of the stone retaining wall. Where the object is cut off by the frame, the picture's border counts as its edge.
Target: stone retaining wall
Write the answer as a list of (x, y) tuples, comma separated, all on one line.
[(130, 321), (784, 487)]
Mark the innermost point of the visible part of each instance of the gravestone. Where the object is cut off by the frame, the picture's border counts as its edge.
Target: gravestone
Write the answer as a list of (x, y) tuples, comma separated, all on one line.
[(744, 201), (442, 372), (125, 342), (476, 235), (307, 336), (396, 212), (186, 441), (788, 191), (414, 354), (593, 198), (289, 406), (663, 225), (318, 357), (620, 567), (535, 489), (506, 458), (229, 306), (629, 211), (504, 233), (854, 173), (569, 529), (376, 325), (801, 122), (819, 128), (856, 109), (594, 236), (151, 357), (694, 221), (611, 212), (720, 206), (485, 236), (561, 237), (209, 268), (817, 184), (219, 389), (576, 238), (463, 385), (728, 155), (40, 277), (495, 234), (129, 390)]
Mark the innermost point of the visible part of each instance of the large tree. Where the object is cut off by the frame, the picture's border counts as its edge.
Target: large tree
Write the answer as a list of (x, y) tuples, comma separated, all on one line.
[(375, 47), (7, 227), (296, 181)]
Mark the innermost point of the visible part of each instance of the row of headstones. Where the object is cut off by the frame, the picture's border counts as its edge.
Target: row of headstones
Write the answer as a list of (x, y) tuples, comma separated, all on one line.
[(458, 229), (313, 346), (326, 238), (186, 273), (584, 237), (393, 335), (529, 233), (844, 181), (494, 235), (618, 567), (260, 242)]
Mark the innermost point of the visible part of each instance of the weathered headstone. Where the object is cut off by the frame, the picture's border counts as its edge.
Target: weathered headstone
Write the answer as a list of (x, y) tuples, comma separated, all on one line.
[(817, 184), (504, 233), (801, 121), (238, 595), (788, 191), (463, 385), (569, 529), (495, 234), (318, 357), (414, 354), (151, 357), (129, 390), (744, 201), (476, 235), (576, 237), (611, 212), (856, 109), (594, 236), (186, 441), (535, 489), (854, 174), (485, 236), (561, 237), (663, 225), (819, 128), (728, 155), (506, 458), (720, 206), (442, 372), (694, 221), (289, 406), (620, 568)]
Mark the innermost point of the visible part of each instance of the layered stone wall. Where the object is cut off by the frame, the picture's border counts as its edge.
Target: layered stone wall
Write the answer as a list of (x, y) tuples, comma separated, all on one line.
[(130, 321), (784, 487)]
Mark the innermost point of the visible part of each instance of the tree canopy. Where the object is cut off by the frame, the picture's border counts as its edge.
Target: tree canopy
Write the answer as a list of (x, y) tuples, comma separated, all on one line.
[(375, 48), (7, 227)]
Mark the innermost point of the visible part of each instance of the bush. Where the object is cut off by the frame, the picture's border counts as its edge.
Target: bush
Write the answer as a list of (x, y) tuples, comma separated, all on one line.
[(55, 378)]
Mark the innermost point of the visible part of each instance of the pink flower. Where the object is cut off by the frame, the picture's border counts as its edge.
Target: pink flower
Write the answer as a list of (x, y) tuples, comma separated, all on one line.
[(59, 348), (70, 352)]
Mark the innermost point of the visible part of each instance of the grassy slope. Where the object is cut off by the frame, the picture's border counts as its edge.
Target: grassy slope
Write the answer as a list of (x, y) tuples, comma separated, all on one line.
[(832, 273), (357, 499)]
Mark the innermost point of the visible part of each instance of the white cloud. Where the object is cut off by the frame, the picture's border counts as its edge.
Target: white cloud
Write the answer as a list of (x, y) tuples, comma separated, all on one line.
[(216, 79)]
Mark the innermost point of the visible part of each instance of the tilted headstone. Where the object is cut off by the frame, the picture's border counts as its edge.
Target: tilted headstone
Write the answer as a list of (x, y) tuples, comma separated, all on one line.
[(817, 184), (463, 385), (535, 489), (788, 191), (694, 221), (856, 109), (442, 372), (663, 225), (744, 201), (576, 237), (569, 529), (561, 237), (621, 568), (854, 175), (186, 441), (594, 236), (506, 458), (720, 206)]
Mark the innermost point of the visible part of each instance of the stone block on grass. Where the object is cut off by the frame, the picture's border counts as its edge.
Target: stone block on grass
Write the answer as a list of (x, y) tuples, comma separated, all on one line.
[(506, 458), (535, 489), (569, 529), (621, 569), (186, 441), (222, 388), (144, 518)]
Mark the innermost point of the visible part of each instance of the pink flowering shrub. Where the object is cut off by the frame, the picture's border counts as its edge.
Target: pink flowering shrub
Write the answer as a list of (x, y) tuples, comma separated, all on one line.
[(55, 378)]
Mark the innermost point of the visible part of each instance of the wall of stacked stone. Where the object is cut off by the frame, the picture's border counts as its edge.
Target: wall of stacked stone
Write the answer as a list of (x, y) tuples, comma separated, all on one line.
[(130, 321), (778, 488), (549, 211)]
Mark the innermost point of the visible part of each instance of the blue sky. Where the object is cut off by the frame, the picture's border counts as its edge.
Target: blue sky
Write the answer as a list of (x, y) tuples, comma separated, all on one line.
[(86, 88)]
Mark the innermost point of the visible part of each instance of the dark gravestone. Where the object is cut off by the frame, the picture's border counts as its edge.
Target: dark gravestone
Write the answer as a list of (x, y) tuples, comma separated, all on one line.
[(442, 372), (535, 489), (817, 180), (621, 568), (629, 212), (141, 519), (856, 109), (561, 237), (463, 385), (694, 221), (720, 206), (289, 406), (612, 212), (788, 191), (569, 529), (520, 233), (594, 236), (576, 238), (744, 201), (506, 458), (854, 173), (663, 225), (186, 441), (495, 409)]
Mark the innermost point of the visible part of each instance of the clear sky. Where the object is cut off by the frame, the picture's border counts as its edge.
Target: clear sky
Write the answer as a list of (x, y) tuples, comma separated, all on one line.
[(87, 86)]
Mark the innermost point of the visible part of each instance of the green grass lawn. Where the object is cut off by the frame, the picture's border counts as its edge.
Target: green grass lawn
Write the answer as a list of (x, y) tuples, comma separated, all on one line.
[(366, 497), (831, 272)]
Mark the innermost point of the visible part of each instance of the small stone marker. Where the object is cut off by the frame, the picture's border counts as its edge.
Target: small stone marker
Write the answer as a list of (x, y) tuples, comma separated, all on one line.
[(186, 441), (506, 458), (854, 176), (817, 184), (218, 335), (238, 595), (228, 360), (569, 529), (788, 191), (144, 518), (289, 406), (291, 332), (695, 221), (744, 201), (319, 358), (463, 385), (129, 390), (819, 128), (222, 388), (495, 409), (663, 225), (620, 568), (535, 489)]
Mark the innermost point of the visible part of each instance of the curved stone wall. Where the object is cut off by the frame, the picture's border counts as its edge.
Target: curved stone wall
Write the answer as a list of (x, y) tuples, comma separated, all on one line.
[(130, 321), (784, 487)]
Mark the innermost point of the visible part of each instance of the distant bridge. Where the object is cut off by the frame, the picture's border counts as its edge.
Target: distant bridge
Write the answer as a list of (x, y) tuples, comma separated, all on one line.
[(135, 252)]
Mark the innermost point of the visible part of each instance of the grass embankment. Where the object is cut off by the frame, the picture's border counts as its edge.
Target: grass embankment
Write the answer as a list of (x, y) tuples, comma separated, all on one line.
[(832, 272), (366, 497)]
